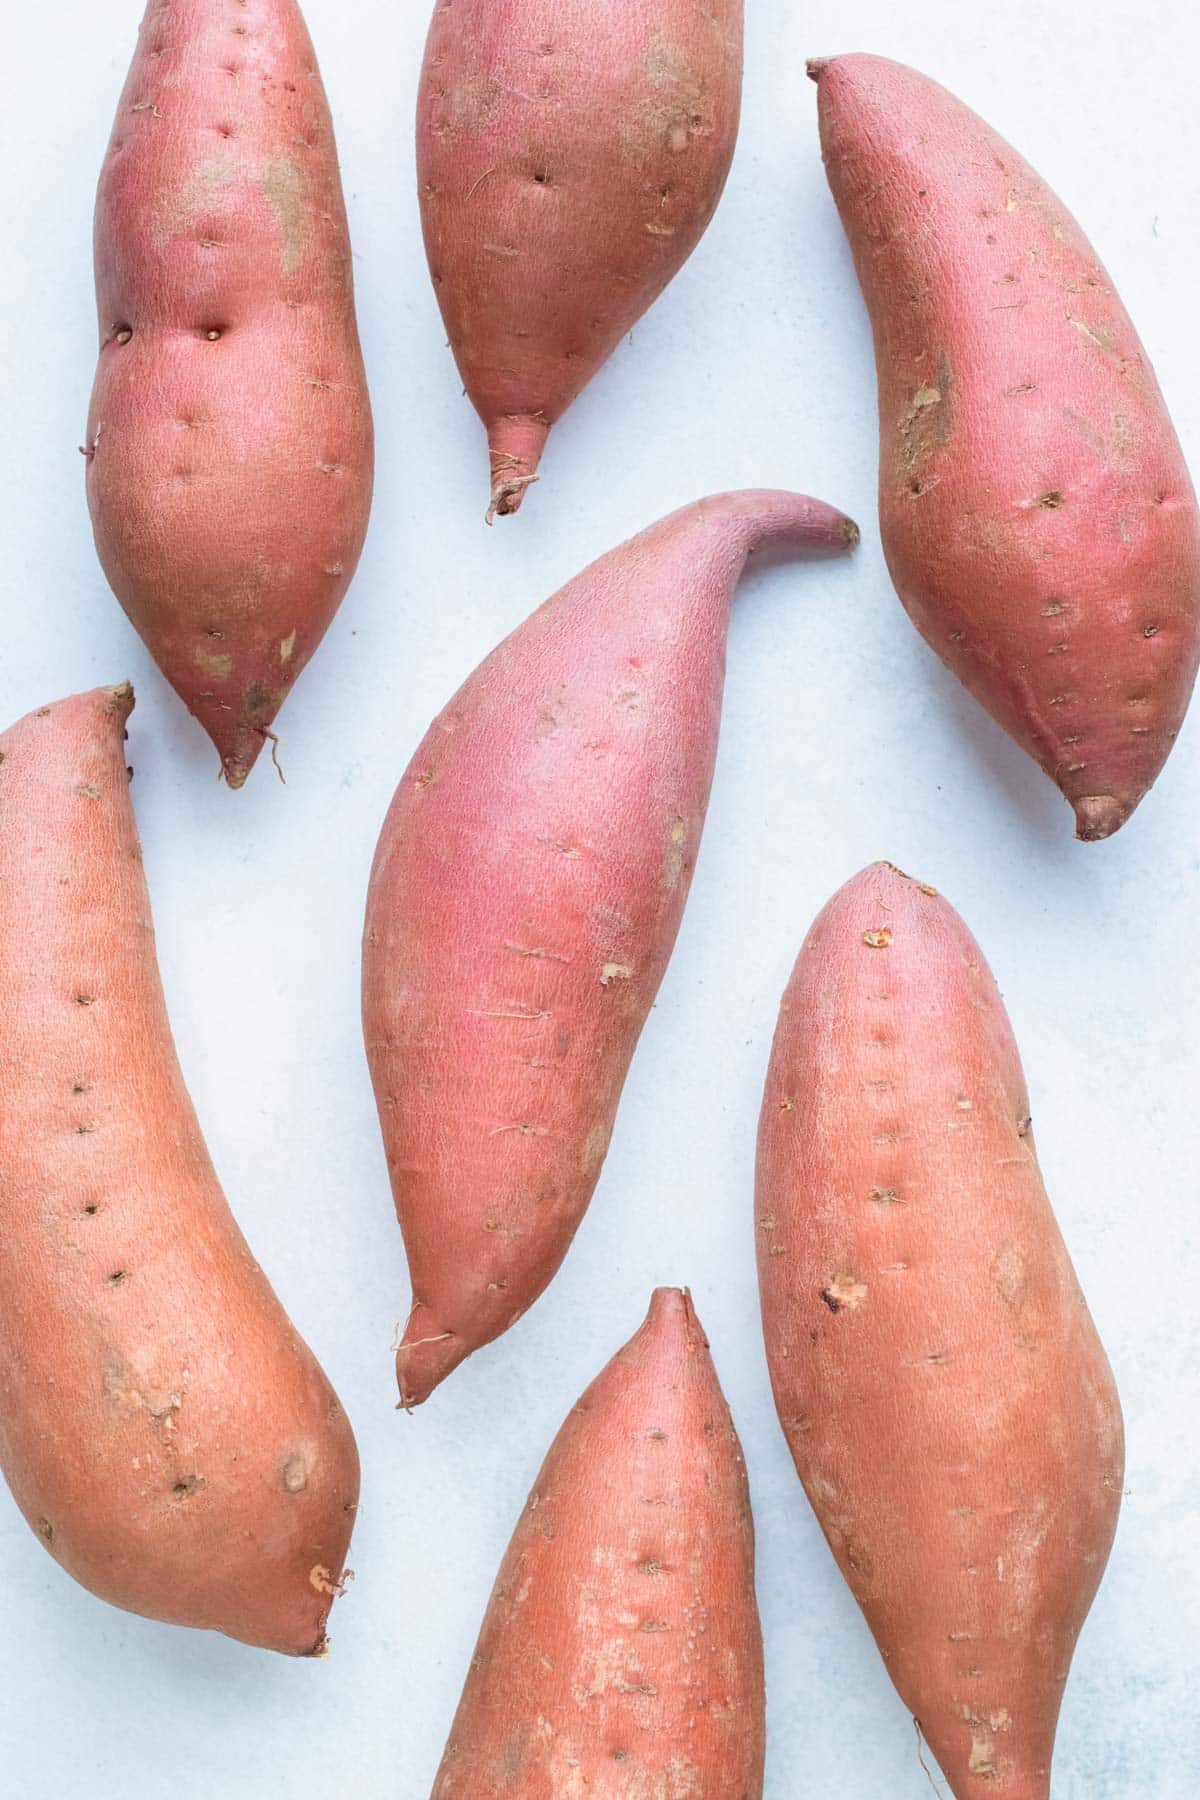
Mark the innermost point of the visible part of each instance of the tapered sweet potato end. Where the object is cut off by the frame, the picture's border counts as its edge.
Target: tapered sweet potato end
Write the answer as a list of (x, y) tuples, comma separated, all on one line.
[(301, 1631), (670, 1348), (111, 705), (1097, 816), (425, 1357), (753, 520), (239, 743), (284, 1605), (235, 772), (515, 445), (307, 1639), (971, 1756), (672, 1319), (904, 892), (122, 699)]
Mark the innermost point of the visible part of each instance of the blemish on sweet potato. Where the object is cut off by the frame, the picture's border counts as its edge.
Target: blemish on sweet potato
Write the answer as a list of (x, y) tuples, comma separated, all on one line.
[(844, 1291), (293, 1475)]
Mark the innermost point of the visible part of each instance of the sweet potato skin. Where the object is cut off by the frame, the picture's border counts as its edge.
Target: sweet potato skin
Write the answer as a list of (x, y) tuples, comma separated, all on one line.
[(229, 442), (162, 1427), (939, 1380), (621, 1653), (570, 155), (1037, 515), (526, 894)]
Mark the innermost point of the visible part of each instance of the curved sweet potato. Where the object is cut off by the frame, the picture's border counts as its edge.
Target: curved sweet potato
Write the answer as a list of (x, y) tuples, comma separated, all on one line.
[(1037, 515), (526, 894), (163, 1429), (944, 1394), (570, 155), (621, 1653), (229, 442)]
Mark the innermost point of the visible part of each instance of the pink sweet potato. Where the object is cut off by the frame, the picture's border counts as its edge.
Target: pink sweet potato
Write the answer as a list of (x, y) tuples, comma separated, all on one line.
[(1038, 519), (163, 1429), (229, 440), (941, 1385), (621, 1654), (526, 894), (570, 154)]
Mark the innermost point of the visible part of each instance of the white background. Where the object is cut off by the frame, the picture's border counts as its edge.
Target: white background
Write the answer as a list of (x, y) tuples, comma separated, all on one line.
[(843, 741)]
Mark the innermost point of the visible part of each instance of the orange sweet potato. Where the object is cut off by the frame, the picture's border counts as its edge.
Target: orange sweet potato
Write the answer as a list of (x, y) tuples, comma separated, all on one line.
[(527, 890), (570, 154), (621, 1654), (944, 1393), (163, 1429), (229, 445), (1038, 518)]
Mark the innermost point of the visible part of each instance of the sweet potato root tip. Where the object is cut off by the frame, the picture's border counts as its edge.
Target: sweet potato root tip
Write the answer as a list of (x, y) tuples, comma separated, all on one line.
[(515, 448), (425, 1358), (124, 699), (816, 66), (1098, 816), (508, 491), (774, 519), (240, 741), (671, 1311)]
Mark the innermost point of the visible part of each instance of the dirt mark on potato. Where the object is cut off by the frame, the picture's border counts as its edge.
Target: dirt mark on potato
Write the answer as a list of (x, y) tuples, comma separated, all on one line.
[(283, 185), (178, 209), (927, 423), (670, 115)]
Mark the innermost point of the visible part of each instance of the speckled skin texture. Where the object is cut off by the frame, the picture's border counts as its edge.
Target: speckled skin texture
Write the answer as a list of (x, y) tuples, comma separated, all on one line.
[(229, 441), (621, 1657), (527, 890), (162, 1427), (1037, 516), (938, 1377), (570, 154)]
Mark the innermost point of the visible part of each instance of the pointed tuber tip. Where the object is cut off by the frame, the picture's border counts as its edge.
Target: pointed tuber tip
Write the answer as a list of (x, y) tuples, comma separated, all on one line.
[(816, 67), (239, 744), (425, 1358), (1097, 816), (122, 699), (671, 1311), (515, 445)]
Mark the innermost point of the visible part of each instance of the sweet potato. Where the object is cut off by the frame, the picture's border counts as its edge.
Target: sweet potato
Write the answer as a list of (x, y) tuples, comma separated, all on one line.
[(570, 155), (526, 894), (939, 1380), (162, 1427), (229, 445), (1037, 516), (621, 1654)]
